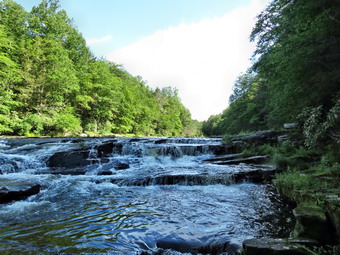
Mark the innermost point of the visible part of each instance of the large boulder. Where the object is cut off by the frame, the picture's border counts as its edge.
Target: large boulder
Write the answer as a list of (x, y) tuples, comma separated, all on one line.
[(17, 193)]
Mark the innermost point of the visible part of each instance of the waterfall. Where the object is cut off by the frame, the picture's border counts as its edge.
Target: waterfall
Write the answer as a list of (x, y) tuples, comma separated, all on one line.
[(131, 196)]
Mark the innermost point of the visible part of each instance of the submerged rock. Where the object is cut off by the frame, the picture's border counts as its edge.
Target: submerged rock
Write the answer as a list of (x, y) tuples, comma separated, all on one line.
[(268, 246), (9, 195), (195, 247), (68, 171)]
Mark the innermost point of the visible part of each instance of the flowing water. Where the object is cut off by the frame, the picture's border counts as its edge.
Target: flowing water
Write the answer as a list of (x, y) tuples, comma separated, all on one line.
[(131, 196)]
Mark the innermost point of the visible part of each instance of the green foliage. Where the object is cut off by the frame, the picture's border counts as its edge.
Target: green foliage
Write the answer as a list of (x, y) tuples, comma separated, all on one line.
[(296, 52), (65, 121), (294, 76), (294, 180), (50, 83), (326, 250), (246, 112), (320, 127)]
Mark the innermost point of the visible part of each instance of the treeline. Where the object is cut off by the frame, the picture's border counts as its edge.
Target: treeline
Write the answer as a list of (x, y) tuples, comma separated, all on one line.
[(295, 76), (51, 84)]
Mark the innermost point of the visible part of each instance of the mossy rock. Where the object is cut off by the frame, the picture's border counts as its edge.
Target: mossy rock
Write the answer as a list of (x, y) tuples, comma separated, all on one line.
[(332, 206), (312, 222)]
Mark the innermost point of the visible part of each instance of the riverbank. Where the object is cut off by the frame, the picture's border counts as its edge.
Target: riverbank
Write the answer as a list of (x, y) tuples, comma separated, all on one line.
[(309, 181)]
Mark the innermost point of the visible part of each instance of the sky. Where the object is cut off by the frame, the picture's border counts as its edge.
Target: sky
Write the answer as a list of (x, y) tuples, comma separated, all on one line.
[(199, 47)]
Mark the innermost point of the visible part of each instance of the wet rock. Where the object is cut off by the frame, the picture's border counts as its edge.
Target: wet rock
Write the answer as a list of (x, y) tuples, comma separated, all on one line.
[(105, 172), (224, 158), (196, 247), (221, 149), (274, 247), (121, 165), (312, 222), (180, 179), (69, 159), (220, 248), (9, 195), (68, 171), (263, 175), (161, 141), (249, 160), (106, 149), (290, 125), (256, 176)]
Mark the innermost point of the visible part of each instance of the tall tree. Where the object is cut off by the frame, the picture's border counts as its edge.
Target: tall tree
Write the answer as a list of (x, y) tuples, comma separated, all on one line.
[(8, 75), (298, 54)]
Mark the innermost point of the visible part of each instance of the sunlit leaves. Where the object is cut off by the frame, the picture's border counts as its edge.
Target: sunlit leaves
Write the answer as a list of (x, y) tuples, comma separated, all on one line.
[(50, 83)]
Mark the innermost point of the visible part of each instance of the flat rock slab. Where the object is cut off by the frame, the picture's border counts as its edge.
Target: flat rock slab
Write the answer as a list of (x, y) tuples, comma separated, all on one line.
[(9, 195), (224, 158), (267, 246), (249, 160)]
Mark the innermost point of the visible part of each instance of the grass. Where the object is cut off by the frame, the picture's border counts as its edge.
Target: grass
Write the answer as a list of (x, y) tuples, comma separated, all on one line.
[(304, 174)]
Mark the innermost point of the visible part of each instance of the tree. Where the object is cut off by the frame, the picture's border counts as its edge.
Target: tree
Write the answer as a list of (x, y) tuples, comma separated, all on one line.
[(298, 55), (8, 75), (51, 84)]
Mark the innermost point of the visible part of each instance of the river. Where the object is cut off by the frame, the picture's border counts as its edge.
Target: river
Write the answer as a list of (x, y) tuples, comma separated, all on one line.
[(131, 196)]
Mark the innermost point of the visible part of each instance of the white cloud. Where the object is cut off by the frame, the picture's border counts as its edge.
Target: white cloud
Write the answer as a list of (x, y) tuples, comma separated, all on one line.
[(202, 60), (98, 40)]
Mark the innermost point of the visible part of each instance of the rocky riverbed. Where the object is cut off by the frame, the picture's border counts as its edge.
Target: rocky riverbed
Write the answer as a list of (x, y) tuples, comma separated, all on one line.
[(134, 196)]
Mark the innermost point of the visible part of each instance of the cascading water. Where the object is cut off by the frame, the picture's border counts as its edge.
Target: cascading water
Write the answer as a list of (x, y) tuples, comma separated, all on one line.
[(131, 196)]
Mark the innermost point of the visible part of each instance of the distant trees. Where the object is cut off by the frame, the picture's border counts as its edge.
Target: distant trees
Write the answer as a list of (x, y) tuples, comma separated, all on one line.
[(295, 71), (51, 84)]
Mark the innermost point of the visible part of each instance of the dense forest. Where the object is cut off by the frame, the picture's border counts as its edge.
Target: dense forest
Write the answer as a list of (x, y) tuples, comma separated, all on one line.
[(51, 84), (295, 76)]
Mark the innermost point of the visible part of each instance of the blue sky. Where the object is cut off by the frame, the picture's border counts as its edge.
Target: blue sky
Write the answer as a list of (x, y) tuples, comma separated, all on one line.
[(129, 20), (197, 46)]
